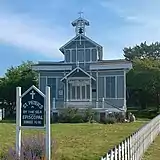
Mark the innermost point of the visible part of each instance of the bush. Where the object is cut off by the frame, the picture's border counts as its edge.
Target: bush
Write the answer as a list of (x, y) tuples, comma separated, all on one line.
[(88, 115), (73, 115), (114, 117), (110, 120), (33, 148), (70, 115)]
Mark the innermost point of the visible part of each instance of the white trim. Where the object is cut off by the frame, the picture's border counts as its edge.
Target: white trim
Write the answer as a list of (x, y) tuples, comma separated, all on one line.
[(75, 78), (116, 85), (97, 87), (90, 89), (111, 75), (113, 98), (51, 76), (73, 39), (35, 88), (51, 67), (111, 66), (75, 70)]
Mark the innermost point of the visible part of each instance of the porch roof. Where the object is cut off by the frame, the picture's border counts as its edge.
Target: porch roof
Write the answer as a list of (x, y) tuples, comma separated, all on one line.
[(77, 69)]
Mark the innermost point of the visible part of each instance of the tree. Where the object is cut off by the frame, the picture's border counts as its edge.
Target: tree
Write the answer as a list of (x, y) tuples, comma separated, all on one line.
[(22, 76), (145, 78), (142, 51)]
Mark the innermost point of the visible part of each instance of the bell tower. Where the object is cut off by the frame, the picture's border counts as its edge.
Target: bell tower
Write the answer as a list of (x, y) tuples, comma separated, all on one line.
[(80, 24)]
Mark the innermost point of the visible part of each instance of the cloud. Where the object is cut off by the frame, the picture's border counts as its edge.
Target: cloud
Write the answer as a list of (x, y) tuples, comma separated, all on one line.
[(30, 34), (138, 22)]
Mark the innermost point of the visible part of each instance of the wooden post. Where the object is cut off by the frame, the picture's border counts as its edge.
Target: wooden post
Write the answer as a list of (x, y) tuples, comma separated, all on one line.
[(18, 121), (48, 130)]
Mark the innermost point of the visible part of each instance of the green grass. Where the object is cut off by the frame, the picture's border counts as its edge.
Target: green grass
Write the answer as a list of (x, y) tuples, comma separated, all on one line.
[(154, 151), (77, 141)]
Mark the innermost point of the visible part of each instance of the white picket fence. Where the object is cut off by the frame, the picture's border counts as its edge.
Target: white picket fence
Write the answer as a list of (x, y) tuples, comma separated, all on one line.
[(133, 147)]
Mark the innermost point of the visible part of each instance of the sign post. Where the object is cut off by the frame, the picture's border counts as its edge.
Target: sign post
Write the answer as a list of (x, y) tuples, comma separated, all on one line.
[(31, 107), (18, 120), (48, 130)]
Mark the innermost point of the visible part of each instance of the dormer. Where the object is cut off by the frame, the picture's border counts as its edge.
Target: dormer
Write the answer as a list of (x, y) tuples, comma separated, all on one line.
[(81, 48)]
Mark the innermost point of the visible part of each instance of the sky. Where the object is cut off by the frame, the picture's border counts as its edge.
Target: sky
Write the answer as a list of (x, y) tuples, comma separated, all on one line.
[(36, 29)]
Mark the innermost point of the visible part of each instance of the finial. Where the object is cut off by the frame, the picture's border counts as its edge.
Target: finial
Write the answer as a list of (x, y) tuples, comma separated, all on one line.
[(80, 14)]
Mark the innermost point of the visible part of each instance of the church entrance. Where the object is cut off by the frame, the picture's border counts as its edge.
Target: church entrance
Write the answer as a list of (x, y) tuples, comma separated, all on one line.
[(79, 89)]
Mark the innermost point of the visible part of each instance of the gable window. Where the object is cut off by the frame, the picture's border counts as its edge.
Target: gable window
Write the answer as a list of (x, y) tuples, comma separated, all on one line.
[(67, 55), (73, 56), (87, 55), (80, 55), (94, 54)]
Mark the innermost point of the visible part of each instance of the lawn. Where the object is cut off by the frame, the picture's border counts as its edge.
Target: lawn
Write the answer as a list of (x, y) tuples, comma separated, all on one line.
[(154, 151), (77, 141)]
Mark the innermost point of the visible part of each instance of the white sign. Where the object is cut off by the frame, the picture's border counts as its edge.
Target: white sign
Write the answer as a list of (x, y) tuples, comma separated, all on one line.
[(30, 103)]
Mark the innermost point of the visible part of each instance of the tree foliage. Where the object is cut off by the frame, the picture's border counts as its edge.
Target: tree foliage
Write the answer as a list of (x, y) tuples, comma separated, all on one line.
[(22, 76), (144, 79), (142, 51)]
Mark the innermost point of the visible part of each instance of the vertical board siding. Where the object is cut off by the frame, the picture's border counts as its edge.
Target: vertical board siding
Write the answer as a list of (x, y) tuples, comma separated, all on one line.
[(133, 147)]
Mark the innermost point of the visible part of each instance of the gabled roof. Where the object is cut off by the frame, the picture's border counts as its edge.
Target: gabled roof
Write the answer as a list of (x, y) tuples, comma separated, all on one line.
[(75, 69), (82, 36)]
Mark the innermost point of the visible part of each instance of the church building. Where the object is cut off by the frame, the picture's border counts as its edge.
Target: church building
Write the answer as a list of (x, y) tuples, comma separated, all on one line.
[(84, 79)]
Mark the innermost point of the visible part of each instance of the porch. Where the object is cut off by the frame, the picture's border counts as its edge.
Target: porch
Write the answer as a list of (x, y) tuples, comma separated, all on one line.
[(101, 105)]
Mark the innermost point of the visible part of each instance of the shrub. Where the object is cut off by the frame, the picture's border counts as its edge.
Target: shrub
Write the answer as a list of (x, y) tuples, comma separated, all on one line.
[(88, 115), (70, 115), (33, 148), (114, 117), (110, 120), (73, 115), (120, 117)]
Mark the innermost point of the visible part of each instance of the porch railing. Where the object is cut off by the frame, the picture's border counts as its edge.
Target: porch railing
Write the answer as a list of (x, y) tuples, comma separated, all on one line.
[(103, 104)]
